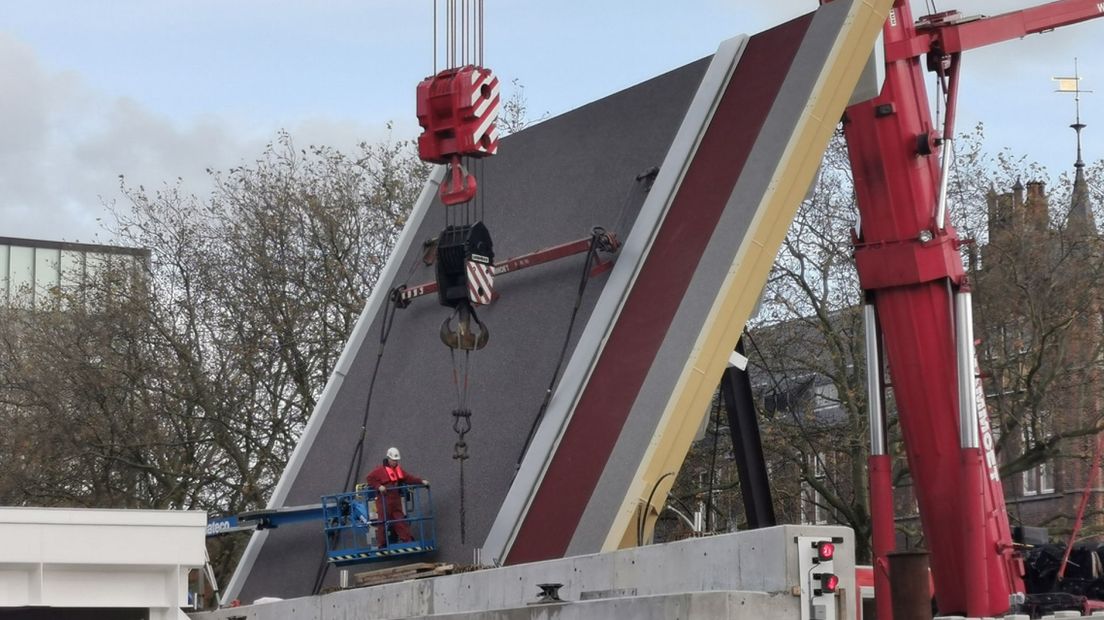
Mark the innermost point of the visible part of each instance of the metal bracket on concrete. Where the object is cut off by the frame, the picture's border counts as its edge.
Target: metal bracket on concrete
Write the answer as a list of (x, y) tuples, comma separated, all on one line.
[(549, 594)]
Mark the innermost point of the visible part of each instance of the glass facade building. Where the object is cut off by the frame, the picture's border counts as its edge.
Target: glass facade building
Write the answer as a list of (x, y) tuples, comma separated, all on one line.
[(33, 271)]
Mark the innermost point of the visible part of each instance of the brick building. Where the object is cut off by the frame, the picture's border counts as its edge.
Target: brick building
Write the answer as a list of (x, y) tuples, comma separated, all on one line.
[(1038, 312)]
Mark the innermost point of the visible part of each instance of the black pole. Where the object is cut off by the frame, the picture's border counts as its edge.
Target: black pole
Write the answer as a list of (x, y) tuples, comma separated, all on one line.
[(747, 446)]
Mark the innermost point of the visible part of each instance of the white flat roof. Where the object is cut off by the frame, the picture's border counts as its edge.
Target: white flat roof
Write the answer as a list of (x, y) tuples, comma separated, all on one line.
[(102, 516)]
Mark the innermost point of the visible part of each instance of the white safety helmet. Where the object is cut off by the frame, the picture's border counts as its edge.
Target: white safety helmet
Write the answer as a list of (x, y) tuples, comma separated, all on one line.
[(393, 454)]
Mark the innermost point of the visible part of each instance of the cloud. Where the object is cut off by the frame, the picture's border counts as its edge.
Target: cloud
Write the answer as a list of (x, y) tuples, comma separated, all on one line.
[(156, 107), (63, 145)]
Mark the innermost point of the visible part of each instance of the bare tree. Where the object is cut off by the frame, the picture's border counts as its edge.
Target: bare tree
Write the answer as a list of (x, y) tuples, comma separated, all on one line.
[(189, 388), (808, 355), (1037, 278), (515, 111)]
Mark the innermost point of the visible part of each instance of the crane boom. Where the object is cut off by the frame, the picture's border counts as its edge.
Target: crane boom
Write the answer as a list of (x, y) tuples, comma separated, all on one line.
[(969, 34), (908, 261)]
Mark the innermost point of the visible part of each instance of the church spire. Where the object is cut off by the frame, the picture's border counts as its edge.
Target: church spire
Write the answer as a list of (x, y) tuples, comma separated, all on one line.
[(1080, 213)]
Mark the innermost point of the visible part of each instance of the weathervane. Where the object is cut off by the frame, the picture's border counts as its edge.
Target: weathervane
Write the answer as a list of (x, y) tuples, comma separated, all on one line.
[(1073, 85)]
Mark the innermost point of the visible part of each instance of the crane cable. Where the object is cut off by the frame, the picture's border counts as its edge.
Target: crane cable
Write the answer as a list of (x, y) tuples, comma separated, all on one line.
[(592, 253), (357, 459), (599, 240), (461, 425), (385, 330), (463, 43), (392, 303), (463, 37)]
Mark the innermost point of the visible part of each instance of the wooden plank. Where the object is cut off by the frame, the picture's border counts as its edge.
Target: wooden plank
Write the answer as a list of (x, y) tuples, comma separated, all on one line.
[(401, 573), (396, 569)]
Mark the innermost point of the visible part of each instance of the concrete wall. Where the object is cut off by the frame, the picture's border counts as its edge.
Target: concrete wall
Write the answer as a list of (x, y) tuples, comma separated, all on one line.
[(80, 559), (742, 575)]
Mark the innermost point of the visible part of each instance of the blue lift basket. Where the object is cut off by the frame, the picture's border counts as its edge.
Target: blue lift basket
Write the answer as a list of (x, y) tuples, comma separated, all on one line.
[(354, 522)]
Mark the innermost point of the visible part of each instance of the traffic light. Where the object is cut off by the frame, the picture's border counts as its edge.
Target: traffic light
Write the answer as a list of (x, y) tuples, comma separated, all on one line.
[(821, 588), (828, 583)]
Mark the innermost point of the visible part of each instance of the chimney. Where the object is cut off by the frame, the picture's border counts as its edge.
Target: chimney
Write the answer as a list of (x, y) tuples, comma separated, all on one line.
[(999, 210), (1036, 190), (1036, 208)]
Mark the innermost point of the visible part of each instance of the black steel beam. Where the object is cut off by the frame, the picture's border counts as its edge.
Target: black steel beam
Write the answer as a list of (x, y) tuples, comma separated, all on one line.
[(747, 446)]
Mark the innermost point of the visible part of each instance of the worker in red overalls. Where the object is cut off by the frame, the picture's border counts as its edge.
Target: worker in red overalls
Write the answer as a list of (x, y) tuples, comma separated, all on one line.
[(389, 503)]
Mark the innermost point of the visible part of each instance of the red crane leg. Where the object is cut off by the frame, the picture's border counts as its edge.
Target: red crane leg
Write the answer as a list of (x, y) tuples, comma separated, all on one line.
[(884, 529), (912, 280)]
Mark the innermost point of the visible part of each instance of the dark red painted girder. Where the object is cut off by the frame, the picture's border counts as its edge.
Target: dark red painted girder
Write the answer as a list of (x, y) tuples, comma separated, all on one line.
[(604, 406), (532, 259)]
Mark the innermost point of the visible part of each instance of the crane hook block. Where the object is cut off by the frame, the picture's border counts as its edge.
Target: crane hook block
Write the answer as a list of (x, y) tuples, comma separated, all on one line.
[(459, 187), (470, 334), (465, 265), (458, 112)]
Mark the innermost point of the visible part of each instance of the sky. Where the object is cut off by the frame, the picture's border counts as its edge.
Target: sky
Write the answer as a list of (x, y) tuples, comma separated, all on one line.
[(160, 91)]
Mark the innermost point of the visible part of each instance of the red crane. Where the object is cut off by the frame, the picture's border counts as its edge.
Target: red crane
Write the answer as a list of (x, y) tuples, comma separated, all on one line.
[(907, 256)]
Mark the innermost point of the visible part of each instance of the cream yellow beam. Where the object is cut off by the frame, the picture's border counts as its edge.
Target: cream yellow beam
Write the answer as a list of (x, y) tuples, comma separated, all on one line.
[(690, 401)]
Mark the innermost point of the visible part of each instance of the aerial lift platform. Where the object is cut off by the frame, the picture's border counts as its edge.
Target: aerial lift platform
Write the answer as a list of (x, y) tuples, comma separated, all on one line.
[(349, 523)]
